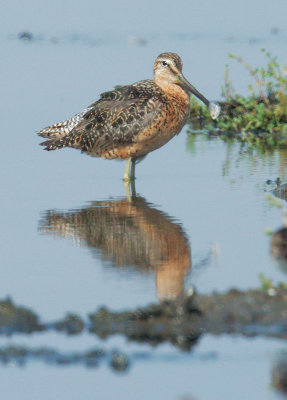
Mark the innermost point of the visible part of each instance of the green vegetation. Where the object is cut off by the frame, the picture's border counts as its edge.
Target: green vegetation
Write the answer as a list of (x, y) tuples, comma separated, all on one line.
[(260, 118), (268, 285), (273, 201)]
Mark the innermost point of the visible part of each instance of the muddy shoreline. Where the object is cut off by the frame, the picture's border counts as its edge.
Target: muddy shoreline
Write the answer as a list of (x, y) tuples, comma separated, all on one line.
[(181, 322)]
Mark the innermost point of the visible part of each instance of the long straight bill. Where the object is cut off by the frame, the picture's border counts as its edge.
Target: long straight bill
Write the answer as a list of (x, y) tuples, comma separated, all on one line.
[(214, 108)]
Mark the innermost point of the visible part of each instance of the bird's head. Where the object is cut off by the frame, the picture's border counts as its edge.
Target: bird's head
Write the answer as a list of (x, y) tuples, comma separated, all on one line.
[(168, 70)]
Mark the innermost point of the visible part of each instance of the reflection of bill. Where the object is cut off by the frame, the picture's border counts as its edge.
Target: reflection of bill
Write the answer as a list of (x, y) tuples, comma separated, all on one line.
[(129, 233)]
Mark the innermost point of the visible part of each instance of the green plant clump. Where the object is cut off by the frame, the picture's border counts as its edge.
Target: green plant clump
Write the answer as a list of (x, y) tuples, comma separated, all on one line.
[(260, 117), (267, 284)]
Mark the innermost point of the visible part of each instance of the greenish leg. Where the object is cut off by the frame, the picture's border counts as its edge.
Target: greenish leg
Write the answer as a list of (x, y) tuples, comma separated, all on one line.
[(133, 170), (133, 188), (130, 190), (127, 170), (130, 170)]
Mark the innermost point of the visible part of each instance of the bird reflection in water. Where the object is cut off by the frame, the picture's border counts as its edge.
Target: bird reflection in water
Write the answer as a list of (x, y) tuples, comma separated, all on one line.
[(129, 232)]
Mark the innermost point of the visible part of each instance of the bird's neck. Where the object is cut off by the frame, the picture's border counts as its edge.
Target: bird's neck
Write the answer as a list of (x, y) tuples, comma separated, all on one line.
[(174, 92)]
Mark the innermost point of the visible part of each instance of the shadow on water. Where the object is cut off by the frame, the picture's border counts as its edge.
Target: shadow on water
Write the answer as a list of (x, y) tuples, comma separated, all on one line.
[(128, 232)]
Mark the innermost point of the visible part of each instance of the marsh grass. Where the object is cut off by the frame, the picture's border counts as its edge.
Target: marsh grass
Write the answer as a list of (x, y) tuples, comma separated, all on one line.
[(261, 117)]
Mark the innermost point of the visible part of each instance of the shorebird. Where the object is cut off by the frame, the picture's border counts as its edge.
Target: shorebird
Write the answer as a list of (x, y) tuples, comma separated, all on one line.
[(130, 121)]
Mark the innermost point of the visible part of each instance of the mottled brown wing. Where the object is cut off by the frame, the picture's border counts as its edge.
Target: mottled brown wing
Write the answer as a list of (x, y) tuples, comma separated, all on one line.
[(116, 119)]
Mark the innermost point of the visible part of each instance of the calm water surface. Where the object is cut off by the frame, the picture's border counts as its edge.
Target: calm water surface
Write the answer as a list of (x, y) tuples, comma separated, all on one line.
[(79, 244), (70, 239)]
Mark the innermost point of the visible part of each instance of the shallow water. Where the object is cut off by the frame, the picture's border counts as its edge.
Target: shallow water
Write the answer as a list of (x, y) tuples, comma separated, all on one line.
[(209, 203), (70, 241), (161, 372)]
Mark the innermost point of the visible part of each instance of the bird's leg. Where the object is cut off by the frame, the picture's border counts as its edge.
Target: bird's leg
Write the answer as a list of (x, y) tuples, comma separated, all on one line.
[(130, 189), (130, 170), (133, 187), (127, 171), (133, 170)]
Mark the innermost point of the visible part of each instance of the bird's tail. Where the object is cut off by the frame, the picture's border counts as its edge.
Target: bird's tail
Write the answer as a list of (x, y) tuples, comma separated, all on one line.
[(57, 134), (54, 144), (61, 129), (54, 131)]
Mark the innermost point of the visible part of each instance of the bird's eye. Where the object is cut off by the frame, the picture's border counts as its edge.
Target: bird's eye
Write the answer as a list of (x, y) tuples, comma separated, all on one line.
[(164, 63)]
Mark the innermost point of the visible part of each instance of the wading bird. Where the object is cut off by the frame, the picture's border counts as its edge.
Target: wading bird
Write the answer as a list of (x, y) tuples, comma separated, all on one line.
[(130, 121)]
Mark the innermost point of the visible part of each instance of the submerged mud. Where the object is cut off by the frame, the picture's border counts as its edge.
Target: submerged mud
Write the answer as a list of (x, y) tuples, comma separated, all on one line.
[(15, 319), (181, 322), (92, 358)]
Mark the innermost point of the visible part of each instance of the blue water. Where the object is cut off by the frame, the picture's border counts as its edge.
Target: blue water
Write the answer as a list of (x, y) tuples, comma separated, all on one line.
[(211, 194)]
